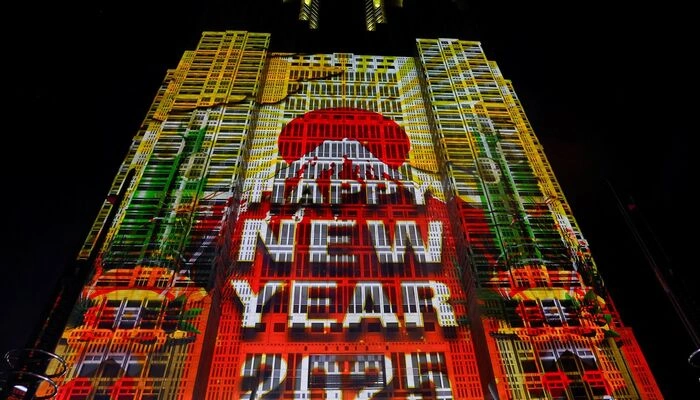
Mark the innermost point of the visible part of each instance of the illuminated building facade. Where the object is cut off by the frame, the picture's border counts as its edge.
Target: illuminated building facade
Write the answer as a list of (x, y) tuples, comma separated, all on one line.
[(341, 226)]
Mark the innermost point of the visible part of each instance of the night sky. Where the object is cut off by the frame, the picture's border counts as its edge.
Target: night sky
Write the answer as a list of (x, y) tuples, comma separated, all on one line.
[(598, 82)]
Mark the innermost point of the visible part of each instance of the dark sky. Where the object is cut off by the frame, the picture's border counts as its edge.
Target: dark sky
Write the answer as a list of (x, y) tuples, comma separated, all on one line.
[(595, 80)]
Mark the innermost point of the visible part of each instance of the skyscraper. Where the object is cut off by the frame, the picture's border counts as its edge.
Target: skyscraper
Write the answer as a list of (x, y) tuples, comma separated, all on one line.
[(341, 225)]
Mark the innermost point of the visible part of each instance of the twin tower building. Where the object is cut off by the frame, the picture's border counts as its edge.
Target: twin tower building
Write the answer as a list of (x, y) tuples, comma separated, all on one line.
[(341, 226)]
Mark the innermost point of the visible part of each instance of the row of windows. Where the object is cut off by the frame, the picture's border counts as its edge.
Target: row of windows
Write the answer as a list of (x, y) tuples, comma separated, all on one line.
[(540, 313), (351, 76), (328, 89), (113, 365)]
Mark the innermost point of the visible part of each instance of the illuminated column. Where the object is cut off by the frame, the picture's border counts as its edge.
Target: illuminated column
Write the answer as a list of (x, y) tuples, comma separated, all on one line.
[(543, 322), (166, 245), (374, 14), (310, 12)]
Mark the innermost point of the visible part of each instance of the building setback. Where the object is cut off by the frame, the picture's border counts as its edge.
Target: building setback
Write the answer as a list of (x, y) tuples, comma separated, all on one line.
[(294, 226)]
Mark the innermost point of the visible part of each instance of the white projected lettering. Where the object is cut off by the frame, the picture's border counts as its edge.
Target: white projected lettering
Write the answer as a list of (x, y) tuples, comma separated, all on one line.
[(339, 268), (310, 301), (407, 234), (370, 301), (280, 250), (307, 297), (337, 375), (428, 369), (254, 302), (264, 373), (330, 233), (325, 241), (307, 191), (349, 376), (416, 301)]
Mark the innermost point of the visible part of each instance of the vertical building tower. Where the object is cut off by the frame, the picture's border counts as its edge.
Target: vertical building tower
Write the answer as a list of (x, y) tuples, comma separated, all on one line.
[(341, 226), (374, 12)]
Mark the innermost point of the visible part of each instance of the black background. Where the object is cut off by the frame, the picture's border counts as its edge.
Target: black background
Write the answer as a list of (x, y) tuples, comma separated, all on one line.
[(601, 84)]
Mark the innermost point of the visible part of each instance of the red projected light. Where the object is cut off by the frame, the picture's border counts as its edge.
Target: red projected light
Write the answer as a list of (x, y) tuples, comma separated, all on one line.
[(380, 135), (344, 272)]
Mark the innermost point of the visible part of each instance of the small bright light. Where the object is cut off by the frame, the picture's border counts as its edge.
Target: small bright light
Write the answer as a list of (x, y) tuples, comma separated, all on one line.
[(20, 387), (694, 359)]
